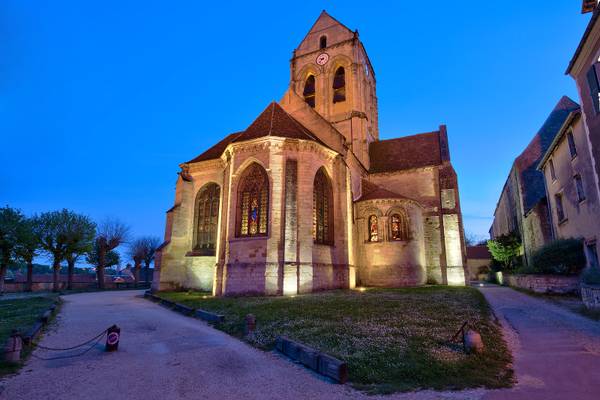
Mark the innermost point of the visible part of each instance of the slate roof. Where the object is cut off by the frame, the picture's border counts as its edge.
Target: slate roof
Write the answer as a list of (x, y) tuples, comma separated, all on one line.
[(480, 252), (273, 121), (530, 179), (408, 152)]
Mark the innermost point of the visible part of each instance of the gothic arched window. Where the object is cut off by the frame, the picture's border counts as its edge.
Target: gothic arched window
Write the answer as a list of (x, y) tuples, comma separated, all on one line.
[(399, 227), (322, 209), (323, 42), (339, 85), (207, 218), (309, 91), (253, 202), (373, 229)]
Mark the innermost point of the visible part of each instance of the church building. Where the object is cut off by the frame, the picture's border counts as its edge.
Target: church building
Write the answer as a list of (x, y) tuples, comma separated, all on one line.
[(308, 197)]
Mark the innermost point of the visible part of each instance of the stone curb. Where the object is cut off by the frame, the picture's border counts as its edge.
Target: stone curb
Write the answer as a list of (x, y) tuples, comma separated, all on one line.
[(183, 309), (209, 316), (311, 358), (34, 332)]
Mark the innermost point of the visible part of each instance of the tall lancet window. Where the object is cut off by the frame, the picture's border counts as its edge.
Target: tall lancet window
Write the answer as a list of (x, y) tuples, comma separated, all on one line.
[(207, 217), (309, 91), (253, 202), (322, 209), (399, 227), (339, 85), (373, 229), (323, 42)]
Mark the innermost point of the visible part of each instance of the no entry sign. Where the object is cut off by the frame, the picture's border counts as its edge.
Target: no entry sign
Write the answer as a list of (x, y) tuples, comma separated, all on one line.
[(113, 335)]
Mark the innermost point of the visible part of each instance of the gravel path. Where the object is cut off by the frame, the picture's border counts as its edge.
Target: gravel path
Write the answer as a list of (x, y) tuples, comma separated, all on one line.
[(164, 355), (557, 352)]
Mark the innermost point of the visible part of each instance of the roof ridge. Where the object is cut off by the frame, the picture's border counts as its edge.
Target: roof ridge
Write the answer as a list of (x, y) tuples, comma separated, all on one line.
[(272, 114), (408, 136), (302, 127)]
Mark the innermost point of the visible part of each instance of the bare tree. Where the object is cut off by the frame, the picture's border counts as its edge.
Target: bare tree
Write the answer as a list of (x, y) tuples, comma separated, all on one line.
[(151, 245), (80, 232), (137, 252), (27, 247), (111, 234), (10, 221)]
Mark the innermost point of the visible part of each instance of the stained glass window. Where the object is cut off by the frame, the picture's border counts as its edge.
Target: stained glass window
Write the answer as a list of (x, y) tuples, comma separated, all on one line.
[(254, 202), (373, 229), (207, 217), (399, 227), (309, 91), (322, 212), (339, 85)]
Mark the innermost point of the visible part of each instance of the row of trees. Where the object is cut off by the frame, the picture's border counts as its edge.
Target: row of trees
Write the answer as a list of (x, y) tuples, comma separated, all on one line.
[(65, 236)]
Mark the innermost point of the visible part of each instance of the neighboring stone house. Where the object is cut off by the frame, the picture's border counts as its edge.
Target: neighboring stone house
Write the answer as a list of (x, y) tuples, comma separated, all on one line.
[(570, 186), (308, 198), (584, 67), (479, 260), (523, 206)]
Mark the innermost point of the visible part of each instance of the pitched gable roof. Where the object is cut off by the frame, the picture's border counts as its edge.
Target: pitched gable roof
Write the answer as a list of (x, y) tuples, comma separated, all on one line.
[(405, 153), (273, 121), (531, 180)]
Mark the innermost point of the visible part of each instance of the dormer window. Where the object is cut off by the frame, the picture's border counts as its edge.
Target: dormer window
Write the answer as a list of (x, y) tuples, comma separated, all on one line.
[(309, 91), (323, 42)]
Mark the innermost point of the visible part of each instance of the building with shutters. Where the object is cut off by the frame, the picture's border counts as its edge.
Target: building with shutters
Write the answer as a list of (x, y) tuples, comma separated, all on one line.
[(308, 197)]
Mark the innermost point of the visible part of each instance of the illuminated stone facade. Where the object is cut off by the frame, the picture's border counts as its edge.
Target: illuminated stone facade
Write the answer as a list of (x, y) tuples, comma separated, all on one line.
[(308, 198)]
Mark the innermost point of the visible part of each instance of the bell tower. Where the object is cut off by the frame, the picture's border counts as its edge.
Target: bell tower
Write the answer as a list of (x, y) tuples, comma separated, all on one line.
[(331, 72)]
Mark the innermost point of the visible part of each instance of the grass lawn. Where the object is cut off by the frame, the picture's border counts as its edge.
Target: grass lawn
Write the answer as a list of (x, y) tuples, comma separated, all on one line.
[(19, 314), (392, 339)]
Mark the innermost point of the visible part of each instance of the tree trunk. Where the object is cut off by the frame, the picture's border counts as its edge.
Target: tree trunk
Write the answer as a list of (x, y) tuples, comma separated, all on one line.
[(70, 271), (136, 272), (2, 275), (29, 285), (55, 273), (100, 267), (147, 272)]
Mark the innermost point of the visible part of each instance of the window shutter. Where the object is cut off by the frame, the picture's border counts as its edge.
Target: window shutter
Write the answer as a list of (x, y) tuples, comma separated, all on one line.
[(593, 85)]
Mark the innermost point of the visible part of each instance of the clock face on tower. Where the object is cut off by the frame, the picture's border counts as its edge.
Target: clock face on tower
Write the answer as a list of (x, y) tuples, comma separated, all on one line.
[(322, 58)]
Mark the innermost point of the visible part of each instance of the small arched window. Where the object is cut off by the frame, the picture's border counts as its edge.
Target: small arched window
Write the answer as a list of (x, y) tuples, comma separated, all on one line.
[(323, 42), (373, 229), (309, 91), (207, 217), (253, 202), (322, 208), (399, 227), (339, 85)]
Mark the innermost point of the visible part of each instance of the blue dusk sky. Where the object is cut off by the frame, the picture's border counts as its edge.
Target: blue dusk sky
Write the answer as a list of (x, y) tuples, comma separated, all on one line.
[(100, 101)]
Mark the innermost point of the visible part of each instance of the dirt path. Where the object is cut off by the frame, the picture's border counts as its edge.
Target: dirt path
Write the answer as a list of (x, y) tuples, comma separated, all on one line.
[(164, 355), (557, 352)]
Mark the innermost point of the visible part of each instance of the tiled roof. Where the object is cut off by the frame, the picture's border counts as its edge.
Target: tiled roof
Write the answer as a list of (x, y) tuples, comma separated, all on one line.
[(371, 191), (273, 121), (405, 153), (216, 150), (532, 180), (480, 252)]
